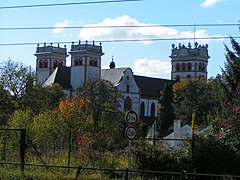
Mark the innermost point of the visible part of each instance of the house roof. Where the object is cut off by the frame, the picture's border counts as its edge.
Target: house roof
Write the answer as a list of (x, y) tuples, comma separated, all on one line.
[(60, 75), (113, 75), (149, 86)]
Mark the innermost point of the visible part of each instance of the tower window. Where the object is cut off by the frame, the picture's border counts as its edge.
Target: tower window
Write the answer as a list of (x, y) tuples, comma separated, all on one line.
[(78, 62), (127, 104), (189, 66), (177, 67), (41, 64), (183, 67), (54, 63), (45, 64), (93, 62)]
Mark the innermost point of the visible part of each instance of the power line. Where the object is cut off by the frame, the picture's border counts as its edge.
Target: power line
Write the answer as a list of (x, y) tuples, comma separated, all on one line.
[(123, 26), (121, 40), (66, 4)]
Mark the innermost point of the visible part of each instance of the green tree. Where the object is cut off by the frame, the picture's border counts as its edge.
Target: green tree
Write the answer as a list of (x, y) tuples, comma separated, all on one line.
[(166, 109), (231, 73), (13, 77), (6, 106), (100, 96), (39, 98), (194, 96), (101, 102)]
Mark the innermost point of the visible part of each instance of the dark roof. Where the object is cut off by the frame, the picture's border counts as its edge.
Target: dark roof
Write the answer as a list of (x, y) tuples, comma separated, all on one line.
[(60, 75), (151, 87)]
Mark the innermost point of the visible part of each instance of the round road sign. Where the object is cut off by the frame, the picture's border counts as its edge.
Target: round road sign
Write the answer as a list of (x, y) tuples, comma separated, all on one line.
[(131, 117), (131, 132)]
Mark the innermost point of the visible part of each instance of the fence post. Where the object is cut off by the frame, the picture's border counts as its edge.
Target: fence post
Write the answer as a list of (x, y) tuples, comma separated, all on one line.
[(22, 148), (126, 174)]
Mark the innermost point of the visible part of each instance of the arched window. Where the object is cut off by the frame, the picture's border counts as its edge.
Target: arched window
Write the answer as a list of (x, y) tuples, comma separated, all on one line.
[(189, 76), (78, 62), (93, 62), (142, 109), (54, 63), (177, 78), (183, 67), (128, 88), (60, 63), (177, 67), (189, 66), (128, 104), (203, 67), (152, 110), (41, 64), (45, 65), (200, 67)]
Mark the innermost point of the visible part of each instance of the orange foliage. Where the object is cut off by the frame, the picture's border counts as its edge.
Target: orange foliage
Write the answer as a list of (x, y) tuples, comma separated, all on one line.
[(177, 87), (72, 105)]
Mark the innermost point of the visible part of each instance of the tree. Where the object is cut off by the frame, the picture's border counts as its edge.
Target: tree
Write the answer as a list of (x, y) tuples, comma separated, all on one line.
[(39, 98), (231, 73), (101, 102), (193, 96), (13, 77), (100, 97), (166, 109), (6, 106)]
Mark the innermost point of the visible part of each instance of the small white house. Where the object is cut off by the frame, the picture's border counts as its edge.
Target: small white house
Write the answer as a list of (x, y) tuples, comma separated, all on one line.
[(178, 135)]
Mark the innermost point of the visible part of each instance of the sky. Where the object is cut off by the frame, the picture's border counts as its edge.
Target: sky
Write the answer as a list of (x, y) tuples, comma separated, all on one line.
[(156, 23)]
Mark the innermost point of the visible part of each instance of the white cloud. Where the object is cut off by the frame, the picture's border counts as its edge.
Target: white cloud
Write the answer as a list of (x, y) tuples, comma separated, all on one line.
[(160, 32), (59, 26), (210, 3), (152, 67)]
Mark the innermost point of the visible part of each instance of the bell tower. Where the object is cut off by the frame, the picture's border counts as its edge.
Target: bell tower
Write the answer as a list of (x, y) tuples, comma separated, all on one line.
[(189, 62), (48, 58), (85, 63)]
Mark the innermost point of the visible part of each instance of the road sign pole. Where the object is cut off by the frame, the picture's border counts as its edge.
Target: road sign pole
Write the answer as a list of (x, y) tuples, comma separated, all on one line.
[(129, 158)]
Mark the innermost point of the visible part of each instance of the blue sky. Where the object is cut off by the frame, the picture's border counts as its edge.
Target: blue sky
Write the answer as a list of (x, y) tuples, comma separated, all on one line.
[(147, 58)]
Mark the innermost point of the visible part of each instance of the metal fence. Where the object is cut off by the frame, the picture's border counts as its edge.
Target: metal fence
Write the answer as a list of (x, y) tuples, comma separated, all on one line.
[(17, 149)]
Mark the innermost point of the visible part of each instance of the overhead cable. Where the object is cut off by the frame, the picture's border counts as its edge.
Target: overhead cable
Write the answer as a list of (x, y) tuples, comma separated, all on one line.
[(122, 40), (66, 4), (121, 26)]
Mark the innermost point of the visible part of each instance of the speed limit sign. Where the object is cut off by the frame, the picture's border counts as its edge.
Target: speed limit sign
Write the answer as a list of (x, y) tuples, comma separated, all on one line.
[(131, 117), (131, 132)]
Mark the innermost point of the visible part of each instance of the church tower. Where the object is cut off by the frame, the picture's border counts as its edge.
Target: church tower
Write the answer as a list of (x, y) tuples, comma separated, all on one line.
[(48, 58), (85, 63), (188, 62)]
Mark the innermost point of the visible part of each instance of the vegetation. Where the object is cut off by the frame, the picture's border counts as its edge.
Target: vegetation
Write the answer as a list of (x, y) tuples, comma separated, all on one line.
[(88, 129)]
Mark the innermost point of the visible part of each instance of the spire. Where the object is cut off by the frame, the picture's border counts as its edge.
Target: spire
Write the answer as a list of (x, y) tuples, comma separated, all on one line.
[(112, 64)]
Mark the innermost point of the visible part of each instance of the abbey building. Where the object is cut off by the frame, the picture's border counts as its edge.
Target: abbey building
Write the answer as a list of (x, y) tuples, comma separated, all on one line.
[(139, 93)]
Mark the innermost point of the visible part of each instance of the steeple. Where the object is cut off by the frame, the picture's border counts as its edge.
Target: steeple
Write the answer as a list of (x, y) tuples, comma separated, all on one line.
[(112, 64)]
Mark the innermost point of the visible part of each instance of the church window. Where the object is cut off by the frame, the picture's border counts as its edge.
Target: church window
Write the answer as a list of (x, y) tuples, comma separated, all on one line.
[(177, 78), (128, 88), (189, 66), (183, 67), (127, 104), (152, 110), (142, 109), (177, 67)]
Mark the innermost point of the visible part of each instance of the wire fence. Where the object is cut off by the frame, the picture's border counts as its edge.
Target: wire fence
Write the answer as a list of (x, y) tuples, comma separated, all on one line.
[(17, 149)]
